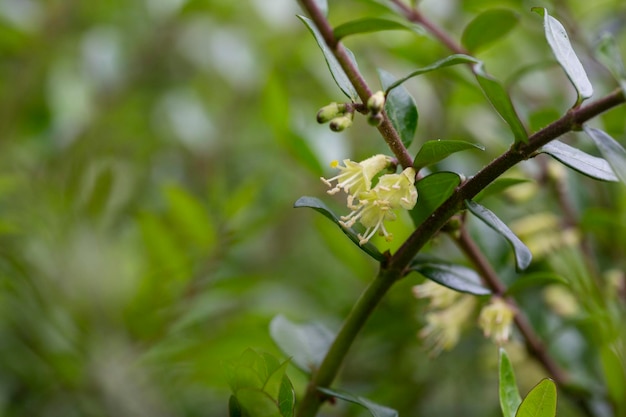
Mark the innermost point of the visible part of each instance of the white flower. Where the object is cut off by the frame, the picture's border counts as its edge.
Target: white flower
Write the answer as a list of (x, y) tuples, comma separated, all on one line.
[(356, 177)]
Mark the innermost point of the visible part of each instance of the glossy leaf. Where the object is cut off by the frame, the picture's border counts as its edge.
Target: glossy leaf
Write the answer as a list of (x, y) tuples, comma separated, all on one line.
[(562, 49), (586, 164), (434, 151), (446, 62), (432, 191), (508, 391), (522, 253), (498, 186), (319, 206), (610, 56), (611, 150), (501, 102), (540, 401), (536, 279), (375, 410), (455, 277), (367, 25), (488, 27), (336, 71), (306, 343), (400, 108)]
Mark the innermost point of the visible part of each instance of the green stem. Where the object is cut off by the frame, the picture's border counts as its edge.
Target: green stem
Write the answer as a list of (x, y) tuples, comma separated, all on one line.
[(328, 369)]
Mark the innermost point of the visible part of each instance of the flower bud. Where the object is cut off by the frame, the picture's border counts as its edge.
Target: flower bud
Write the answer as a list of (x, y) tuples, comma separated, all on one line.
[(375, 119), (341, 123), (376, 102), (330, 112)]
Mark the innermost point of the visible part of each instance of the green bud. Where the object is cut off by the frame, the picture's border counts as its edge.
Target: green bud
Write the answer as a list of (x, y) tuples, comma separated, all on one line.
[(376, 102), (341, 123), (375, 119), (330, 112)]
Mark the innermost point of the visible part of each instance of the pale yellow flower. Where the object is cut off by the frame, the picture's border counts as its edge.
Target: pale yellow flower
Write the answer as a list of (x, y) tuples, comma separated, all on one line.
[(496, 319), (443, 327), (356, 177), (440, 296)]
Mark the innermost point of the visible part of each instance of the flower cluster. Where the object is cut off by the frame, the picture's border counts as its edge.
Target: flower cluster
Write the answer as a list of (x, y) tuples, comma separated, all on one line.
[(496, 320), (373, 205)]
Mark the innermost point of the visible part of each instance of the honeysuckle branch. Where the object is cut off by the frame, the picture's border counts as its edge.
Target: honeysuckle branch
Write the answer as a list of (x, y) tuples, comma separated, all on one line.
[(534, 345), (386, 129)]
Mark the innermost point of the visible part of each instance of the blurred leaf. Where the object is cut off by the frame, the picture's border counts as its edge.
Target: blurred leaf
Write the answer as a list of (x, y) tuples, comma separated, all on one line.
[(306, 344), (586, 164), (257, 403), (610, 56), (446, 62), (401, 109), (611, 150), (523, 257), (367, 25), (434, 151), (190, 217), (540, 401), (535, 279), (559, 42), (498, 186), (509, 394), (337, 72), (320, 207), (286, 398), (274, 382), (431, 192), (501, 102), (375, 410), (488, 27), (614, 373), (455, 277), (234, 409), (541, 118)]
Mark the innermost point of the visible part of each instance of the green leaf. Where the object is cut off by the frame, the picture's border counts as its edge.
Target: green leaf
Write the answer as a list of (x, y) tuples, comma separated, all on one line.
[(190, 217), (540, 401), (614, 373), (455, 277), (609, 55), (432, 191), (434, 151), (488, 27), (319, 206), (522, 253), (336, 71), (586, 164), (562, 49), (446, 62), (234, 409), (501, 102), (367, 25), (256, 403), (307, 343), (401, 109), (286, 398), (375, 410), (509, 394), (611, 150), (498, 186), (274, 381), (536, 279)]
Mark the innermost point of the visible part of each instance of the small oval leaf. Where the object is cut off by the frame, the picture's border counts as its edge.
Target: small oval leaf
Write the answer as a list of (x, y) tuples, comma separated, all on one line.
[(434, 151), (501, 102), (488, 27), (586, 164), (522, 253), (509, 393), (335, 68), (455, 277), (432, 191), (446, 62), (540, 401), (562, 49), (400, 108), (306, 343), (610, 149), (376, 410), (367, 25), (319, 206)]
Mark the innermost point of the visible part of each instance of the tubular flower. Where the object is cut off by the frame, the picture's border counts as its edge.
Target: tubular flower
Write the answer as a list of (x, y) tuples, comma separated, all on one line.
[(495, 319), (443, 327), (440, 296), (356, 177), (377, 205)]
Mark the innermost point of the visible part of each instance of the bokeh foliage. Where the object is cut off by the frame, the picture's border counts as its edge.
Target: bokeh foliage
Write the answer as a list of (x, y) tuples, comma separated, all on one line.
[(151, 153)]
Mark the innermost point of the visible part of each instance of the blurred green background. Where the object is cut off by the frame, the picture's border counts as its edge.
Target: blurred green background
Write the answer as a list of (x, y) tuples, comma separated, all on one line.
[(150, 155)]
